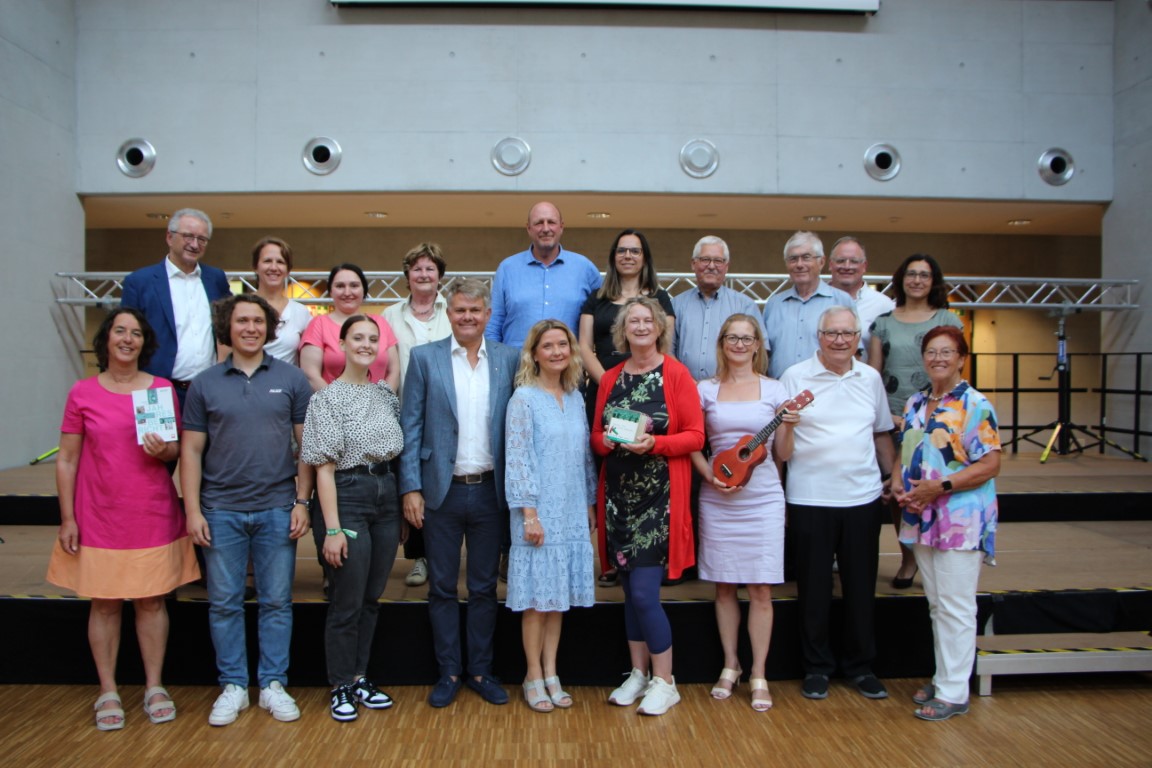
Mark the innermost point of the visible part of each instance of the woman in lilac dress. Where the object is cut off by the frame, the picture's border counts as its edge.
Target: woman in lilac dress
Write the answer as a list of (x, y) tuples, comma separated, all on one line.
[(742, 527)]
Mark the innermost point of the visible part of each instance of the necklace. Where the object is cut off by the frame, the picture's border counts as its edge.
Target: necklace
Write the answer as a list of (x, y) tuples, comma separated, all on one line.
[(423, 313)]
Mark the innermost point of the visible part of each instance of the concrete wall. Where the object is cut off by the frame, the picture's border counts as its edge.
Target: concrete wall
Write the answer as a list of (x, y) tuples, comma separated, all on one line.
[(229, 91), (1127, 225), (41, 221)]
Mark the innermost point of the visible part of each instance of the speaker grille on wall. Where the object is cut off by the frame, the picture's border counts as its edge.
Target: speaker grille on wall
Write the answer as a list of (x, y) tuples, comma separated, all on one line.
[(511, 156), (1056, 167), (322, 155), (136, 158), (699, 158), (882, 162)]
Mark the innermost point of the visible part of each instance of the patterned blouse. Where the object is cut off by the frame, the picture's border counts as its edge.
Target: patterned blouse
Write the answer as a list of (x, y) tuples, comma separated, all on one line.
[(351, 425), (956, 434)]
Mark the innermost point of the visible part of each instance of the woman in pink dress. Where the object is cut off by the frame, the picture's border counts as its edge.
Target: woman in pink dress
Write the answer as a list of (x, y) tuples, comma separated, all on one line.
[(122, 529), (742, 527)]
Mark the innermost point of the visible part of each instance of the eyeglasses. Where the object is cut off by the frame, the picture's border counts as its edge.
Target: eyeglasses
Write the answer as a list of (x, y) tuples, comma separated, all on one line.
[(940, 354), (847, 262), (837, 335), (910, 275), (713, 261), (803, 258), (191, 238), (733, 340), (625, 251)]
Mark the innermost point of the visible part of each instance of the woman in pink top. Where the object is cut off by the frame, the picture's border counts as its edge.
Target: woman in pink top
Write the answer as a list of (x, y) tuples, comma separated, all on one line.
[(321, 357), (122, 529)]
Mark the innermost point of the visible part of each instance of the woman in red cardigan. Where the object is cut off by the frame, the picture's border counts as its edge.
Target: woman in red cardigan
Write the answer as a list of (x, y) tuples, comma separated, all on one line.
[(645, 522)]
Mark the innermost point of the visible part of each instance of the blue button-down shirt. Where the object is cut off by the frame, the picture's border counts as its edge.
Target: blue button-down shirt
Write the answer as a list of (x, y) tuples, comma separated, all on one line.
[(791, 324), (525, 291), (698, 323)]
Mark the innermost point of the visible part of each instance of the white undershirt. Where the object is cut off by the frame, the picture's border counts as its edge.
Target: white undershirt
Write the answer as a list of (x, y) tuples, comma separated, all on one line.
[(195, 346), (473, 446)]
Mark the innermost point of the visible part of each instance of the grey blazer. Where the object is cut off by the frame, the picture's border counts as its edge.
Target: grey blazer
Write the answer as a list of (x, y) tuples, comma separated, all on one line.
[(429, 418)]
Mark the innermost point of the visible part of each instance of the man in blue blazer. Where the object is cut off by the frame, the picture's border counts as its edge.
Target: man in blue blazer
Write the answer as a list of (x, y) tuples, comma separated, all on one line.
[(176, 296), (452, 479)]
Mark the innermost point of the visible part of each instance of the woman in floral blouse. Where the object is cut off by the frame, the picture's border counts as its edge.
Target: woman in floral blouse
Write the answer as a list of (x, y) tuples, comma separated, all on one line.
[(950, 455)]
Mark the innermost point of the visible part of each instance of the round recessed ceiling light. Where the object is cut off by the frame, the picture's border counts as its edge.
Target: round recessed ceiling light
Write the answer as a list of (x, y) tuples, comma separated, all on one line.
[(1019, 222), (376, 214), (511, 156), (157, 216), (1056, 167), (699, 158), (598, 215), (814, 218)]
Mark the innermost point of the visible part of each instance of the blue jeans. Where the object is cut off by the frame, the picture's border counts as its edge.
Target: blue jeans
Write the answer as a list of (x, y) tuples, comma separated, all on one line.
[(263, 536), (469, 514), (370, 506)]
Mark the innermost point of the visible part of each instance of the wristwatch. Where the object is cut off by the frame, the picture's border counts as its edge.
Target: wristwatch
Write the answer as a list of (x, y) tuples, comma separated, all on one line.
[(946, 485)]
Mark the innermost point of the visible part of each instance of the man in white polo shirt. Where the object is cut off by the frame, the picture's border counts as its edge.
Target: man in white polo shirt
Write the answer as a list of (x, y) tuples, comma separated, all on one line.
[(842, 455)]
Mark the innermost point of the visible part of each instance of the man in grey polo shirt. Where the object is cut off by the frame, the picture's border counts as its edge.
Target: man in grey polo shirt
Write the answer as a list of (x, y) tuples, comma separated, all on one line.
[(701, 311), (245, 496)]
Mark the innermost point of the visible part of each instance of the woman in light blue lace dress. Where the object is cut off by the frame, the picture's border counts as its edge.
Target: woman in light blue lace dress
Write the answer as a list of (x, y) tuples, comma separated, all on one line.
[(550, 484)]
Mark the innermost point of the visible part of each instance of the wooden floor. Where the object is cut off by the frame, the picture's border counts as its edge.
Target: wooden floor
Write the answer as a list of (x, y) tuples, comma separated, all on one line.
[(1102, 720)]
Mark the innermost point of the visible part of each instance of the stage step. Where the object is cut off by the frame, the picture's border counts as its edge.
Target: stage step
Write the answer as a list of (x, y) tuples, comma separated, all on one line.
[(1046, 654)]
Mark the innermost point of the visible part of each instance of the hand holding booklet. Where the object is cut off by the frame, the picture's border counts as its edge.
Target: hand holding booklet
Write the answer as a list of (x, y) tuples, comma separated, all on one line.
[(626, 425), (154, 411)]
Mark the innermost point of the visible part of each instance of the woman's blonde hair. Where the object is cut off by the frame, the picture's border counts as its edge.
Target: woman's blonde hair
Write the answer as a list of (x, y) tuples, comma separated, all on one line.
[(528, 375), (659, 317), (759, 359)]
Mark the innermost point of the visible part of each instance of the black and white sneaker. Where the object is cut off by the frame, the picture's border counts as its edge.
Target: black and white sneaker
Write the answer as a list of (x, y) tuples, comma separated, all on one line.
[(344, 704), (369, 695)]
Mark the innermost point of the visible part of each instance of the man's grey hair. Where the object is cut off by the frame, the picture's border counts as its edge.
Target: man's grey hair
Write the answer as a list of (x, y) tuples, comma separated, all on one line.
[(849, 239), (815, 245), (837, 309), (710, 240), (470, 287), (174, 220)]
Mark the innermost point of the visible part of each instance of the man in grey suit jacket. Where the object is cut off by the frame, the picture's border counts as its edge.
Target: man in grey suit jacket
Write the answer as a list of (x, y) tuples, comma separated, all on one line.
[(456, 391)]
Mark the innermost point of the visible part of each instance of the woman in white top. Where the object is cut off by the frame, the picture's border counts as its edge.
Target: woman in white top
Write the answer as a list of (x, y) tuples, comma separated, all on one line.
[(272, 262), (423, 317)]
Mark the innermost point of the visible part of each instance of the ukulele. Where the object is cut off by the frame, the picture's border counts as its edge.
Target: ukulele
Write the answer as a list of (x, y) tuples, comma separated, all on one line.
[(734, 466)]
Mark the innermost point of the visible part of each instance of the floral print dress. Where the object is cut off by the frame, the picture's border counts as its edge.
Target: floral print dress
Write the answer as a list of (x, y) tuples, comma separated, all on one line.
[(638, 487)]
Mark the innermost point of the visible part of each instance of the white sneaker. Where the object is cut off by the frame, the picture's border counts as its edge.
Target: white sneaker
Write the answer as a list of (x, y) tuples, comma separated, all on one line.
[(231, 702), (632, 689), (419, 574), (660, 698), (277, 701)]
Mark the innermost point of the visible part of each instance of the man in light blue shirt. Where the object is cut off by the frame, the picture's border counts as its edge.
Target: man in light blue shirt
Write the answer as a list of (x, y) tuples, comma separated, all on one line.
[(701, 311), (792, 317), (542, 282)]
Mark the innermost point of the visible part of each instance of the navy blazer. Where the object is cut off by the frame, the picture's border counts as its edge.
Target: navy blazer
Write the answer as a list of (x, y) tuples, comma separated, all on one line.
[(429, 417), (147, 290)]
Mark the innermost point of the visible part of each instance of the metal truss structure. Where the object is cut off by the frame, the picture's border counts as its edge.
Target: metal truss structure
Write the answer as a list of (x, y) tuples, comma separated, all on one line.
[(102, 289)]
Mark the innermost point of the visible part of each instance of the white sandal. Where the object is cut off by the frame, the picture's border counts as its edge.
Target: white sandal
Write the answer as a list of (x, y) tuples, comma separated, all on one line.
[(726, 675), (116, 711), (762, 704), (165, 703), (561, 696)]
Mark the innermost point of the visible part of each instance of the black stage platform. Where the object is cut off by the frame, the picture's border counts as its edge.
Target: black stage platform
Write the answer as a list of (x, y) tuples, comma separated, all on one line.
[(1061, 576)]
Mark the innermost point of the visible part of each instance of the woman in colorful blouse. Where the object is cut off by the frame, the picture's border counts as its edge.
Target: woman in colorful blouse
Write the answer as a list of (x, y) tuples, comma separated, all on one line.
[(950, 455)]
